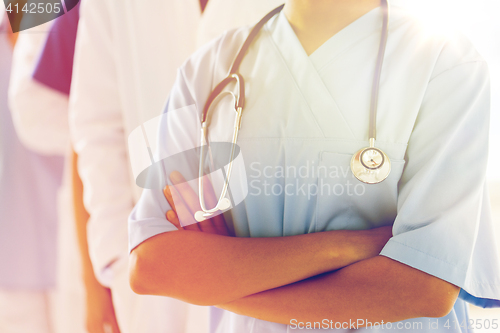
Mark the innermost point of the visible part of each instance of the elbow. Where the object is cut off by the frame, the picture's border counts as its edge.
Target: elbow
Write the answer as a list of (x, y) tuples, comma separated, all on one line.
[(137, 276), (440, 299), (146, 277), (143, 275)]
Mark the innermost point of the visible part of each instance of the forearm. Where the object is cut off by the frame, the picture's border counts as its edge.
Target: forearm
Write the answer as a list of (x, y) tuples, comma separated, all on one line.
[(373, 290), (210, 269), (81, 218)]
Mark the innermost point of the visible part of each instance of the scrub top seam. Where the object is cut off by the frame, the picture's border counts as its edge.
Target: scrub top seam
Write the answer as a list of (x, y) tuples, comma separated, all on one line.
[(483, 284), (427, 254), (319, 139), (184, 81), (322, 68), (269, 37), (456, 66), (314, 72), (424, 94), (216, 61), (395, 25), (331, 97)]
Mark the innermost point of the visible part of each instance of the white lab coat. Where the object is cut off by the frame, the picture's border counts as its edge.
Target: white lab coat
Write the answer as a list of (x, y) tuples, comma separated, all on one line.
[(126, 60)]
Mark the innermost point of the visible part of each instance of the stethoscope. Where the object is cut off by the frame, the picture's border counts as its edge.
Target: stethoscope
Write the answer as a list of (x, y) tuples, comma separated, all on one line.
[(369, 165)]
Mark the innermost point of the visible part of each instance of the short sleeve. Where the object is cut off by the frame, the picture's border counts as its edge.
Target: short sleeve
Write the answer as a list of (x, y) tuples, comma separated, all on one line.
[(443, 226)]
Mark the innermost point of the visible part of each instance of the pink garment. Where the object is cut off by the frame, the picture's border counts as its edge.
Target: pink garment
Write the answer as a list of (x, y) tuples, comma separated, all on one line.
[(28, 191)]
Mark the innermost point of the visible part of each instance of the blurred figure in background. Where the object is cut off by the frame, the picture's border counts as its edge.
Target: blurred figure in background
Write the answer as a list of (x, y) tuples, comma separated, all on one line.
[(84, 305), (126, 62), (29, 183)]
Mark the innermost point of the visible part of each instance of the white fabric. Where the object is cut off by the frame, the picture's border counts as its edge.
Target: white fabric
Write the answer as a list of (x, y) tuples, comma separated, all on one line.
[(3, 17), (122, 47), (49, 133), (126, 69), (312, 113), (41, 118), (126, 59), (26, 311)]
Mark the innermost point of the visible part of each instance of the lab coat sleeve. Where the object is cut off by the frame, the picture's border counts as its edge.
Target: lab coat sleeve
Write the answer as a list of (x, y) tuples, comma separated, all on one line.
[(40, 114), (443, 225), (179, 132), (99, 138)]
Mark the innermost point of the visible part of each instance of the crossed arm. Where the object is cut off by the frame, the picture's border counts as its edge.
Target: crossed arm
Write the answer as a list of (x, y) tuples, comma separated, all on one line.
[(335, 275)]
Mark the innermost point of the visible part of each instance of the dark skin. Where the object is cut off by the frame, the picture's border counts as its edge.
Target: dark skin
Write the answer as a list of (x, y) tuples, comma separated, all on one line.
[(249, 284), (337, 275)]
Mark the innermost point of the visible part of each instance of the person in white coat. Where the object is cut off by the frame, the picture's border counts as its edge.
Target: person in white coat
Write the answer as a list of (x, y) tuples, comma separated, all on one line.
[(126, 59)]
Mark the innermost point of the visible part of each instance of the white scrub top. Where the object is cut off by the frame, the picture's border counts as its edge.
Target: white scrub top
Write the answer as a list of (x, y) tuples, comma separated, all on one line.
[(310, 114)]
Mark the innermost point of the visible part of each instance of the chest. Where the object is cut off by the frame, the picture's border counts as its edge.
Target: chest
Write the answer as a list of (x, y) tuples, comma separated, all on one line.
[(302, 123)]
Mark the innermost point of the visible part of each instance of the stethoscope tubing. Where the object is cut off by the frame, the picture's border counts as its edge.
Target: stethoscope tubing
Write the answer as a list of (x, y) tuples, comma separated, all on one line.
[(378, 72), (234, 76)]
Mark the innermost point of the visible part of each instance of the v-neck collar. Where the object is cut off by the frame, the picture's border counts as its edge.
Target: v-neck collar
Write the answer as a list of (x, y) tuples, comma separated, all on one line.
[(323, 107), (306, 70), (368, 24)]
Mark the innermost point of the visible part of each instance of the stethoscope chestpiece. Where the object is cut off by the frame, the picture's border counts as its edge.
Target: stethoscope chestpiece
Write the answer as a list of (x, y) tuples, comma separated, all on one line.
[(372, 158), (370, 165)]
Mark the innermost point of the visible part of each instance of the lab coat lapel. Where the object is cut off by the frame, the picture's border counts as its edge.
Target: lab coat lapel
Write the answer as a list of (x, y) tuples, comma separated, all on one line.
[(323, 108)]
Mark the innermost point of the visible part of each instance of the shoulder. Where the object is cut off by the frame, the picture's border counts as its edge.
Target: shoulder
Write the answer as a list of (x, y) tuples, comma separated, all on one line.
[(217, 56), (212, 62), (432, 41)]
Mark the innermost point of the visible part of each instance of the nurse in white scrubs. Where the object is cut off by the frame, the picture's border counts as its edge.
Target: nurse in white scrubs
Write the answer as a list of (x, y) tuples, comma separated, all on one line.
[(320, 249)]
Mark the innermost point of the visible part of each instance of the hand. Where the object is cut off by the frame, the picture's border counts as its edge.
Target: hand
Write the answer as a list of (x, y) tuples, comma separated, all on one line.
[(100, 313), (185, 203)]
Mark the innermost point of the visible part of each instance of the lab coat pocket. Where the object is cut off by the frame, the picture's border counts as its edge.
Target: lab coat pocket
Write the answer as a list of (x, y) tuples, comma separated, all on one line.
[(346, 203)]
